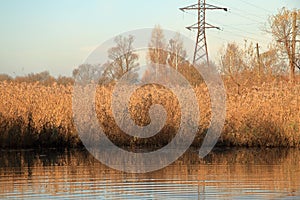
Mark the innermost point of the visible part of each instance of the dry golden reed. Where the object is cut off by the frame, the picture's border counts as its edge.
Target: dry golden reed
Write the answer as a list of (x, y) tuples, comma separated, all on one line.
[(34, 115)]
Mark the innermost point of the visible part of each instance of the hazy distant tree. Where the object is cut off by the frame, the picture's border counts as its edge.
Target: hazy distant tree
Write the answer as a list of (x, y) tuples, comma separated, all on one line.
[(177, 53), (271, 63), (232, 60), (122, 59), (172, 54), (281, 28), (249, 57), (177, 58), (232, 63), (86, 73), (157, 53)]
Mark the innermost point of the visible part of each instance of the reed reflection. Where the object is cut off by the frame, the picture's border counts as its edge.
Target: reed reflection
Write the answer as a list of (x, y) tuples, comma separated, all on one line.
[(223, 173)]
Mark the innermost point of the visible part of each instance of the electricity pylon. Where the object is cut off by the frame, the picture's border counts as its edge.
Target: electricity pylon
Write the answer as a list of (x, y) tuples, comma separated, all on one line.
[(201, 25)]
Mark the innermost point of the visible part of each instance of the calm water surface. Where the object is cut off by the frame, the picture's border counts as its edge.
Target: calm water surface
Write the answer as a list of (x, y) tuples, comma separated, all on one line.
[(224, 174)]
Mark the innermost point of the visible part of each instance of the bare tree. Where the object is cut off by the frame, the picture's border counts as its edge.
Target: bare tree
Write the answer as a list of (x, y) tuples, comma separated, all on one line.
[(177, 53), (282, 27), (122, 59)]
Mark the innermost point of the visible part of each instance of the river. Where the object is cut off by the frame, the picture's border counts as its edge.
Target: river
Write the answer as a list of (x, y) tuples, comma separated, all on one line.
[(236, 173)]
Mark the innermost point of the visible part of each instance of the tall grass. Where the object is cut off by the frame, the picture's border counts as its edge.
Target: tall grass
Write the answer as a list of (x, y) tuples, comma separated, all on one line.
[(34, 115), (265, 115)]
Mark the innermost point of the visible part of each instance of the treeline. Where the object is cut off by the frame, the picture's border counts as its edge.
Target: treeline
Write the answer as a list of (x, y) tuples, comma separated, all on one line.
[(44, 78), (238, 63)]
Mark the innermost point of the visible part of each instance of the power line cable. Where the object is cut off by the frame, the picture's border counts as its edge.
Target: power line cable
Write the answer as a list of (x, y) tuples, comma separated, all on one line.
[(243, 11), (245, 17), (245, 24), (253, 5), (246, 37), (235, 27)]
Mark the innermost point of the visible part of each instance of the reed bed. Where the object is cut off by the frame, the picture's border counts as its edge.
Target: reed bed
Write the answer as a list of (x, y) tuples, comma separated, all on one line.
[(34, 115), (265, 115)]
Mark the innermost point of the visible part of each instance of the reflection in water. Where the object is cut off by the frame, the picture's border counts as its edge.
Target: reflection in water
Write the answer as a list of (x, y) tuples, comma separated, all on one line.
[(225, 174)]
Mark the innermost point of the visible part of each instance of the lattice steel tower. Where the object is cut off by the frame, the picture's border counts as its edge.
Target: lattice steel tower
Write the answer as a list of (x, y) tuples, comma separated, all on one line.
[(201, 25)]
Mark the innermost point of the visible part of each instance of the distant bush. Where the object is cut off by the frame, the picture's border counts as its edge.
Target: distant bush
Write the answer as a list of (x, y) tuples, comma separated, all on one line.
[(43, 78), (5, 77)]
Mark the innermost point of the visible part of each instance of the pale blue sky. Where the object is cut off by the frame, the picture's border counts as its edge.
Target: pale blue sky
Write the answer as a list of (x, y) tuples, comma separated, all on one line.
[(58, 35)]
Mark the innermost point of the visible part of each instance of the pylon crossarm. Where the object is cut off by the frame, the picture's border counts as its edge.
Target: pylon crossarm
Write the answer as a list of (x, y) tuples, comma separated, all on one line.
[(212, 7), (207, 6), (207, 25), (191, 7)]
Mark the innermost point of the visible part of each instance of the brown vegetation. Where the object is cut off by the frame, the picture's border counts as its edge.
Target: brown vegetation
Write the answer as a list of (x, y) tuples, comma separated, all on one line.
[(35, 115), (264, 115)]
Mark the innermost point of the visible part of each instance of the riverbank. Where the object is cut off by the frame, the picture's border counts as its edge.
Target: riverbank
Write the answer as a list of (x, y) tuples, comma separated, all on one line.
[(33, 115)]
